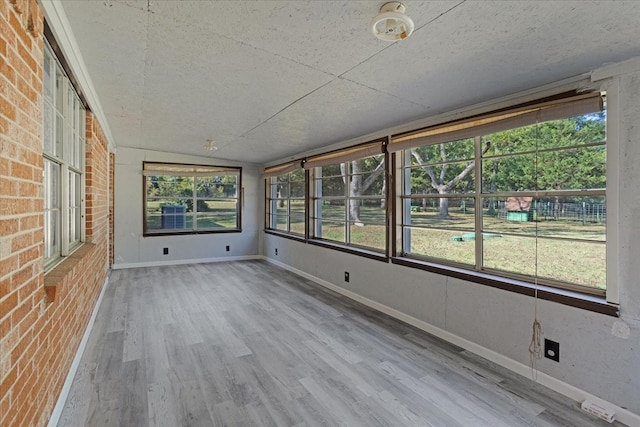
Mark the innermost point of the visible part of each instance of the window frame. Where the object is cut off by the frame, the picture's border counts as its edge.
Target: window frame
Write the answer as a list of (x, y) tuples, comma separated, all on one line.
[(272, 178), (333, 158), (63, 146), (197, 171), (579, 295)]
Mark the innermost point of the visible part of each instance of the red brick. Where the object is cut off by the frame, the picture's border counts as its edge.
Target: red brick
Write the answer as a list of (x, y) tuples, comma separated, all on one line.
[(8, 381), (8, 303), (7, 109)]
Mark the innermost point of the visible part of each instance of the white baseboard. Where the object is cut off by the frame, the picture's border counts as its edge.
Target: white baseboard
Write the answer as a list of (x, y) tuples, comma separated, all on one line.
[(66, 387), (622, 415), (121, 266)]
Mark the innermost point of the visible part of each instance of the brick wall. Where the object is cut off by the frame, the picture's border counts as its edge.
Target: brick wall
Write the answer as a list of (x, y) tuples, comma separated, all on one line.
[(42, 318)]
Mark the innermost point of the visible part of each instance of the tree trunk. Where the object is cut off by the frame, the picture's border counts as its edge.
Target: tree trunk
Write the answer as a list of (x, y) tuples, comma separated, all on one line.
[(443, 211), (355, 189)]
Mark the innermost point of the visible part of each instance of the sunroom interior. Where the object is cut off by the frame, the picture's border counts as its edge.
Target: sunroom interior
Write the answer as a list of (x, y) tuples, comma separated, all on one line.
[(475, 179)]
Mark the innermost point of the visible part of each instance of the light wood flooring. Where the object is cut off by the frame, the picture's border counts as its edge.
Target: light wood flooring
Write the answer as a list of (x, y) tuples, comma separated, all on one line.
[(250, 344)]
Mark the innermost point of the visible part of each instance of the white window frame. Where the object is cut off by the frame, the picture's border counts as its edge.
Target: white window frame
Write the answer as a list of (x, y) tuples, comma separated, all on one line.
[(64, 146)]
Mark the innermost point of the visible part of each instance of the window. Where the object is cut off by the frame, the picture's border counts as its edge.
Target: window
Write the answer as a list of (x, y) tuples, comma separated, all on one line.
[(349, 204), (183, 199), (286, 204), (63, 150), (530, 181)]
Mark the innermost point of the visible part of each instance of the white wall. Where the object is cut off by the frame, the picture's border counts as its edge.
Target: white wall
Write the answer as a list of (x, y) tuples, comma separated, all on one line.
[(597, 354), (131, 248)]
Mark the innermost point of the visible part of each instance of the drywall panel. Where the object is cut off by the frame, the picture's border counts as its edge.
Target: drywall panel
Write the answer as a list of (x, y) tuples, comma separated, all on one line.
[(629, 196), (132, 248)]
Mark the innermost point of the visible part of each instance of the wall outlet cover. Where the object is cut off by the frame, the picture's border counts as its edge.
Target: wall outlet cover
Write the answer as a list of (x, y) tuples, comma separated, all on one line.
[(552, 350)]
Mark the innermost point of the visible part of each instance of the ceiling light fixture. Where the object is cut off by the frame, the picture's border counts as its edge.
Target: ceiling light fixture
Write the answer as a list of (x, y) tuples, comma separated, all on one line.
[(391, 24), (210, 145)]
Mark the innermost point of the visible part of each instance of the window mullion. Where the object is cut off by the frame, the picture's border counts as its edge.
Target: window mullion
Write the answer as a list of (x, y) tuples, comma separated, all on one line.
[(479, 241), (406, 206), (65, 203), (347, 200)]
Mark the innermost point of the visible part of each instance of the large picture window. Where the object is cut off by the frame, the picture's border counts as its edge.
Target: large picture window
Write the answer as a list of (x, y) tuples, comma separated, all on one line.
[(63, 151), (519, 194), (349, 202), (182, 199), (286, 201)]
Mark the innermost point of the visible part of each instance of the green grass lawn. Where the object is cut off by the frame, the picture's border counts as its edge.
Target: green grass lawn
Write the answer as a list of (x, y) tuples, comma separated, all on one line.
[(221, 215), (581, 261)]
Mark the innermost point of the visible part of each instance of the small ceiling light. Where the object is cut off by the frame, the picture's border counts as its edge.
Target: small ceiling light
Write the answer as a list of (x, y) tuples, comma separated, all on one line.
[(391, 24), (210, 145)]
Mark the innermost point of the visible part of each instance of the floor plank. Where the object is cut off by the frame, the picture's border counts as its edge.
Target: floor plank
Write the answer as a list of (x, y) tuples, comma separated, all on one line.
[(250, 344)]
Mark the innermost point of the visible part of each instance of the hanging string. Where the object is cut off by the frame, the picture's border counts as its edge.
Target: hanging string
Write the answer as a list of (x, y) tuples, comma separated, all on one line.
[(535, 346)]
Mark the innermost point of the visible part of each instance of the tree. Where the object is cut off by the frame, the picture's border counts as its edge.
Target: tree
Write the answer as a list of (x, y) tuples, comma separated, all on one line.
[(449, 174), (357, 185), (548, 156)]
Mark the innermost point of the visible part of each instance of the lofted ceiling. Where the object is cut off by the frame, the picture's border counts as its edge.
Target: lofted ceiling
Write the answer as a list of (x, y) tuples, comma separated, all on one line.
[(268, 80)]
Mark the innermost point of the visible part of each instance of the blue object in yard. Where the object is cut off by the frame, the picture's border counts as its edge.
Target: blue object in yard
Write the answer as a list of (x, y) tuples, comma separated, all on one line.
[(174, 216)]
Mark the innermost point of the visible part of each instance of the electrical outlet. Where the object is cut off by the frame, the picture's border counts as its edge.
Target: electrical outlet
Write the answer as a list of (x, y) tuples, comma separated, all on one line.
[(165, 251), (276, 251), (228, 248), (552, 350), (346, 276)]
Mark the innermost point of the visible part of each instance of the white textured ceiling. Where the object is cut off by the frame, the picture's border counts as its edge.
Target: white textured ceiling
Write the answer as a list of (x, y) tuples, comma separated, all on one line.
[(271, 79)]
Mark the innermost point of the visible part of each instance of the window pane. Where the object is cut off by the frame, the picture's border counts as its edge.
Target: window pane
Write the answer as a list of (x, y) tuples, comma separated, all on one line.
[(297, 176), (281, 222), (282, 207), (567, 132), (367, 211), (166, 214), (47, 78), (296, 189), (457, 178), (51, 235), (331, 230), (59, 90), (446, 152), (333, 186), (57, 149), (582, 263), (371, 183), (368, 234), (448, 245), (297, 216), (581, 218), (169, 186), (48, 137), (74, 207), (443, 212), (217, 219), (514, 173), (216, 186), (579, 168), (333, 210)]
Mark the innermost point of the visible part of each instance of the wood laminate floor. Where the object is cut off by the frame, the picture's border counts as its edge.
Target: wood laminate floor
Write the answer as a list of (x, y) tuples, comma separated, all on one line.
[(250, 344)]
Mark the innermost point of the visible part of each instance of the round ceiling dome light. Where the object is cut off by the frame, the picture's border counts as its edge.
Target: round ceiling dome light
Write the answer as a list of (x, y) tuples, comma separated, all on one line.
[(391, 24)]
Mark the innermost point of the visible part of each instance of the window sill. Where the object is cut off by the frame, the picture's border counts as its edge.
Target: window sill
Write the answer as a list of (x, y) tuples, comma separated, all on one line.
[(285, 235), (353, 250), (59, 275), (570, 298), (192, 232)]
